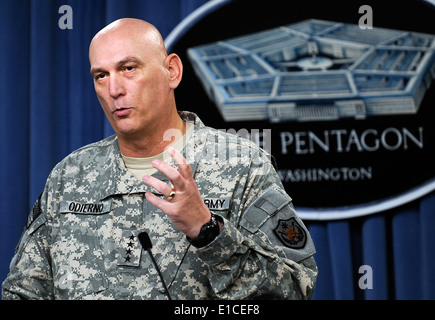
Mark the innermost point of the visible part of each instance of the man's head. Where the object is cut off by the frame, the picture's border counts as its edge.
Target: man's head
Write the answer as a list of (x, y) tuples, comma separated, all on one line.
[(134, 78)]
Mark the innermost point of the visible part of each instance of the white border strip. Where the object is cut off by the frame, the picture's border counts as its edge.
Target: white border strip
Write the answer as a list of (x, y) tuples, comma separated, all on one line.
[(190, 20), (366, 208)]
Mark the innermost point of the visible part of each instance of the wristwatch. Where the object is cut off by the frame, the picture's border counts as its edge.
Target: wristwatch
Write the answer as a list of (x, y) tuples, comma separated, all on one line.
[(208, 232)]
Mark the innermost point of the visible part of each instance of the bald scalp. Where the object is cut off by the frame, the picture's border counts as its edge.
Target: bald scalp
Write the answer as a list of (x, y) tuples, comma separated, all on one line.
[(140, 31)]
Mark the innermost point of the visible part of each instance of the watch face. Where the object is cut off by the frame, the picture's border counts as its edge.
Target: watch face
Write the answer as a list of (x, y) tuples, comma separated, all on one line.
[(208, 233), (213, 220), (208, 227)]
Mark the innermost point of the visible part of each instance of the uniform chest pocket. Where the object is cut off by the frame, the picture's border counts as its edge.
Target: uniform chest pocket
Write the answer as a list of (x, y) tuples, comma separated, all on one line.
[(78, 264)]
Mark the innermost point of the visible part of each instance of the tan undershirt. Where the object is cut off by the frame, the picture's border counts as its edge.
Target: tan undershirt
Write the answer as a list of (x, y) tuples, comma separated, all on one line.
[(143, 166)]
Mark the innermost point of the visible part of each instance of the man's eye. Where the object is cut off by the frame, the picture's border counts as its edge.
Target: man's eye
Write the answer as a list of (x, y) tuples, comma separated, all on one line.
[(100, 76), (129, 68)]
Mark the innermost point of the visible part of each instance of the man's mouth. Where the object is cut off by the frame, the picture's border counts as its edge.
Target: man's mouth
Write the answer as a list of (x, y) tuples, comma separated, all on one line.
[(121, 112)]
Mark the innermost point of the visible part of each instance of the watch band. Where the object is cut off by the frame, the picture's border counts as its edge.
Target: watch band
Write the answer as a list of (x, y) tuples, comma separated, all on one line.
[(208, 233)]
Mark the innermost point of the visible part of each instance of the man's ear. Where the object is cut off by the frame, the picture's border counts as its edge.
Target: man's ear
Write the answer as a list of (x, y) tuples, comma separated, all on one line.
[(175, 68)]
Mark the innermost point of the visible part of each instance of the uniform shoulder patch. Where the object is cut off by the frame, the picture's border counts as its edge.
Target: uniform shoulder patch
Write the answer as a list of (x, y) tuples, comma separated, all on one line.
[(290, 233)]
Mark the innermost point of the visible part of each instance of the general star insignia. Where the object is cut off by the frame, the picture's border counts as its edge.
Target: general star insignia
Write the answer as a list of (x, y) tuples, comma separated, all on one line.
[(129, 249)]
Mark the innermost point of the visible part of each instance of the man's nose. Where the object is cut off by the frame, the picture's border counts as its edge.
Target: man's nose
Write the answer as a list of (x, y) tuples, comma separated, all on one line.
[(116, 86)]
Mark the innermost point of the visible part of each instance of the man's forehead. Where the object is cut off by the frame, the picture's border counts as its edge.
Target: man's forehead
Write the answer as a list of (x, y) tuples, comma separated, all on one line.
[(115, 43), (112, 52)]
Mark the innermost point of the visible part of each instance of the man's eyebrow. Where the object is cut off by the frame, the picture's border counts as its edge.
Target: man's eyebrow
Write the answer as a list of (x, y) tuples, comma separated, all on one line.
[(96, 70), (129, 60), (119, 64)]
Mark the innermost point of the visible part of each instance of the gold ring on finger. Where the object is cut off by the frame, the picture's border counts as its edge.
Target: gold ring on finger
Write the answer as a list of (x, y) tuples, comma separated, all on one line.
[(171, 195)]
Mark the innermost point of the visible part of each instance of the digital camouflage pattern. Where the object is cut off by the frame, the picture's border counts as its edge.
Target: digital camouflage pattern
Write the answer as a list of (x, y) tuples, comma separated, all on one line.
[(81, 240)]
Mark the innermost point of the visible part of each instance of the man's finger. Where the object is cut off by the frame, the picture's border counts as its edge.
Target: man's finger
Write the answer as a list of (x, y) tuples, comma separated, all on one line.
[(157, 184), (170, 172), (183, 166), (160, 203)]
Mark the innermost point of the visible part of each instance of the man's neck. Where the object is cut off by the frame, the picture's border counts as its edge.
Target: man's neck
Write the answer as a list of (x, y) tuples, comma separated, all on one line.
[(143, 146)]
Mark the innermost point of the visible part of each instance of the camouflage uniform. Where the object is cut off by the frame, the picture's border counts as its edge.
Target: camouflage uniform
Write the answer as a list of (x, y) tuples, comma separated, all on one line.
[(81, 240)]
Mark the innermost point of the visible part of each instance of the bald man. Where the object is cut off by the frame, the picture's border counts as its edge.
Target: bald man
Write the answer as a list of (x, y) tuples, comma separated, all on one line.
[(209, 204)]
